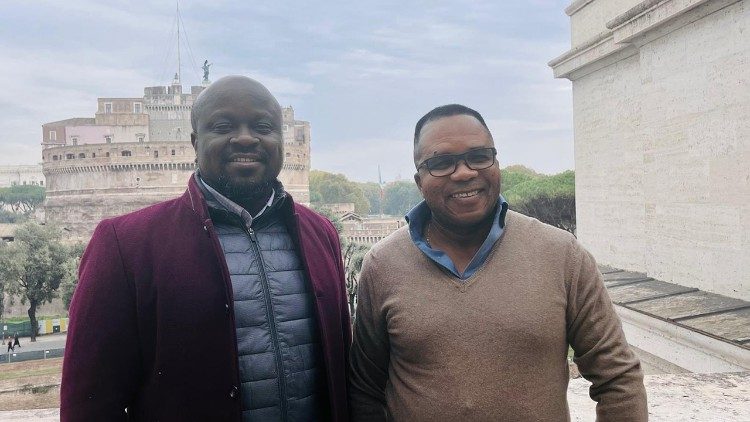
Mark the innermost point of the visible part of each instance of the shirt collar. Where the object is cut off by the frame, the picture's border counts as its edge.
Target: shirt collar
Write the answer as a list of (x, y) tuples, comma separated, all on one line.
[(231, 206), (420, 214)]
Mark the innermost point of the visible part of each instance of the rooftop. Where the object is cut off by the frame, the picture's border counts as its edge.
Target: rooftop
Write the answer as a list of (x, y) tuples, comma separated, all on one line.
[(714, 315)]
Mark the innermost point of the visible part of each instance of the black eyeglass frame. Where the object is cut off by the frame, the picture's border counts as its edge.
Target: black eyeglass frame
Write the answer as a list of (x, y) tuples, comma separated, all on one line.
[(457, 158)]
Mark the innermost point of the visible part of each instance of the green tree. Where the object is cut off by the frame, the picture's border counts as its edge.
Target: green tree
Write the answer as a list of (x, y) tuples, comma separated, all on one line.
[(325, 212), (515, 175), (33, 266), (373, 194), (70, 281), (400, 197), (330, 188), (550, 199), (22, 199), (354, 254), (9, 217)]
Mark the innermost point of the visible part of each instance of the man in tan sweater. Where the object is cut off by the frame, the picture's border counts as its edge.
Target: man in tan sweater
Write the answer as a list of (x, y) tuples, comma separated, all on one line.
[(466, 314)]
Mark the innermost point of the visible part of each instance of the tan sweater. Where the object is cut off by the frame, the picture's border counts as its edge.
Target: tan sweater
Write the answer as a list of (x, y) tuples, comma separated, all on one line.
[(429, 348)]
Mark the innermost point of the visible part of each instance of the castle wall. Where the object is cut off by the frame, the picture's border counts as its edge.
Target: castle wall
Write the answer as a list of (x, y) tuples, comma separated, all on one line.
[(21, 175), (662, 140), (94, 179)]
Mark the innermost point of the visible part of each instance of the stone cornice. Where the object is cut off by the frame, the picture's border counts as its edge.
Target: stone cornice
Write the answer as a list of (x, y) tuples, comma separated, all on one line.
[(625, 33), (135, 166), (590, 56), (633, 12), (576, 6), (653, 19)]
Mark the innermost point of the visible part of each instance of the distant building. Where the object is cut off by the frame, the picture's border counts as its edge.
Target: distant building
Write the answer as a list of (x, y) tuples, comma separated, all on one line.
[(339, 209), (369, 230), (136, 152), (21, 175)]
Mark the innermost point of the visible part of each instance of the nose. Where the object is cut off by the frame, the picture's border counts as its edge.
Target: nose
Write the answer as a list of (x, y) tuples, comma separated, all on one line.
[(463, 172), (245, 137)]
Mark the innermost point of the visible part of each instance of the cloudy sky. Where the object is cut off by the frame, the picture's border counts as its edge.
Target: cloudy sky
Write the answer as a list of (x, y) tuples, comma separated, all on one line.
[(361, 72)]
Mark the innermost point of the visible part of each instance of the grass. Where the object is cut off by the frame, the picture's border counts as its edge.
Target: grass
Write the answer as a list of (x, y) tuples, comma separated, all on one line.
[(30, 385), (48, 367)]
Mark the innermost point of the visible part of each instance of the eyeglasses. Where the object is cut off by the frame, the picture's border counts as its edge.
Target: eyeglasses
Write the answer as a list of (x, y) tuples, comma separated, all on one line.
[(445, 165)]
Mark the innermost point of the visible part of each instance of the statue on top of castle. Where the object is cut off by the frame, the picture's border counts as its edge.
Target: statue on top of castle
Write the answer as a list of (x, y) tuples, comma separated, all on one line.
[(206, 66)]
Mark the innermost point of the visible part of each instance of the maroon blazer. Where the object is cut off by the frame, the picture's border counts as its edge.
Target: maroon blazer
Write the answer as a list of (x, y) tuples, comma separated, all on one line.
[(152, 320)]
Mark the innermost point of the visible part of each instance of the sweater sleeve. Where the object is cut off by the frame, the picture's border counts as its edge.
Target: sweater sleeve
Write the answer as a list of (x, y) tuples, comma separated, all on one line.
[(602, 353), (369, 358), (102, 362)]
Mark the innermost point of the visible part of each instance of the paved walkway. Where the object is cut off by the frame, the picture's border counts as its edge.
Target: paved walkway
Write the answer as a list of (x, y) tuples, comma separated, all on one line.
[(671, 397), (50, 345), (717, 397), (45, 342)]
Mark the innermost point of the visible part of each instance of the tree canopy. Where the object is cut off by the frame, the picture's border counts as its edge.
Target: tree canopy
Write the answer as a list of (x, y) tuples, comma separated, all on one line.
[(22, 199), (550, 199), (400, 197), (330, 188), (34, 265)]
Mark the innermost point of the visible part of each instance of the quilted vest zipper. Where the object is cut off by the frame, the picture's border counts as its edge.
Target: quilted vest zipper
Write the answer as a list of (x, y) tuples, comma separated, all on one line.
[(271, 322)]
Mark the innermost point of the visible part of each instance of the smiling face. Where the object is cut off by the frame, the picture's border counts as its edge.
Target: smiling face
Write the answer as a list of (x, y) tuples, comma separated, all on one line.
[(237, 137), (466, 198)]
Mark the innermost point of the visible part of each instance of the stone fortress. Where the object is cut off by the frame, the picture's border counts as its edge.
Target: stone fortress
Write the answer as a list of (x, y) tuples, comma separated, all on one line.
[(136, 152)]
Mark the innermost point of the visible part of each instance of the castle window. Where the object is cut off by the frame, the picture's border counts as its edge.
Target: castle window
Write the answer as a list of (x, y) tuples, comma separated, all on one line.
[(81, 155), (74, 140), (140, 138), (107, 108), (125, 153), (156, 154), (107, 155), (54, 158), (108, 139), (286, 128), (93, 155), (172, 152), (69, 156), (52, 135), (137, 108)]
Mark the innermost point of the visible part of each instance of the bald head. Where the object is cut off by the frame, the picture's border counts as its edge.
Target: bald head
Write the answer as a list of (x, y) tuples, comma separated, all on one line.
[(226, 86), (238, 139)]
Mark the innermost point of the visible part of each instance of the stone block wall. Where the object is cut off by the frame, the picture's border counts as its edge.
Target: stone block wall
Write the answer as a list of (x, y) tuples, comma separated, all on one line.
[(662, 140)]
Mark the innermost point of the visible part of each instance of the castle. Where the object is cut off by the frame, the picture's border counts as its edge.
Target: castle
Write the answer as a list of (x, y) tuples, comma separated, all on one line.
[(135, 152)]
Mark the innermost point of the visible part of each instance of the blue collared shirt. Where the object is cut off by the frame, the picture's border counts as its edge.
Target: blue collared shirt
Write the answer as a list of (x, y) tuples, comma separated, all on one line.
[(419, 215)]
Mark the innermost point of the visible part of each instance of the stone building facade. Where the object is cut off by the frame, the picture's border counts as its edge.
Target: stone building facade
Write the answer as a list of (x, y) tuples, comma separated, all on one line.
[(368, 230), (136, 152), (21, 175), (661, 99)]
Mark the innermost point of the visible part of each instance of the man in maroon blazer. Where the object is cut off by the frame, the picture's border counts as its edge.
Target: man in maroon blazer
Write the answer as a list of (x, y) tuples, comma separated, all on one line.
[(233, 263)]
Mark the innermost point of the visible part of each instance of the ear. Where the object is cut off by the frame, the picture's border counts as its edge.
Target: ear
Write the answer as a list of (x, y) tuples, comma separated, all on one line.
[(193, 141)]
